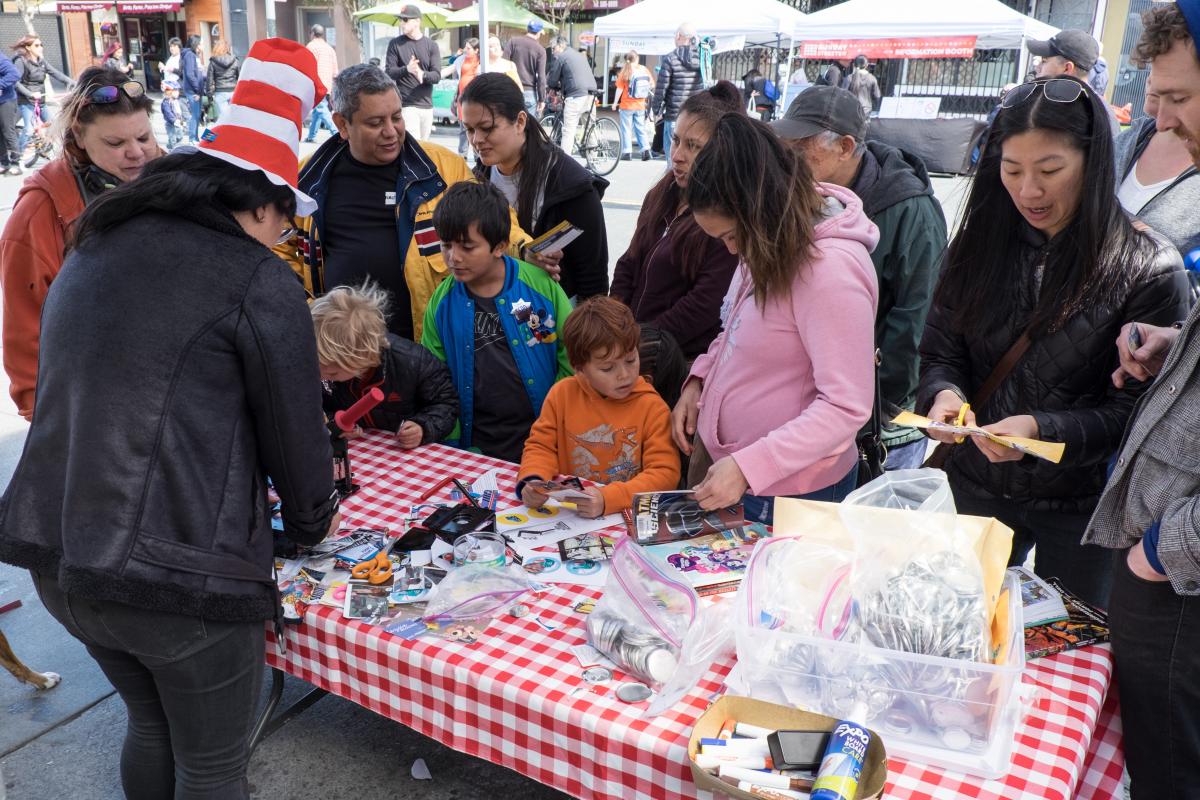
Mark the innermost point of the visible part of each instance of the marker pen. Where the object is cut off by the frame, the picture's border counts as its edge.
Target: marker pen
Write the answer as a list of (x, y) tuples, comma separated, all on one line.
[(742, 747), (714, 761), (752, 731), (771, 780)]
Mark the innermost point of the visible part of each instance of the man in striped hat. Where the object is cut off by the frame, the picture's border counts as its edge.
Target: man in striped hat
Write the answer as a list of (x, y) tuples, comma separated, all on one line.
[(376, 188)]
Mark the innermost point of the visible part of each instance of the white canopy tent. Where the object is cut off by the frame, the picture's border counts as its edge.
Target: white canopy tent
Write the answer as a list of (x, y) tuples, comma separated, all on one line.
[(994, 24), (649, 26)]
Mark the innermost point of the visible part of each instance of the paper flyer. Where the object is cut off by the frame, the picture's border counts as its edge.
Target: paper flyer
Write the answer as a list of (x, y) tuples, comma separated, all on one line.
[(1050, 451)]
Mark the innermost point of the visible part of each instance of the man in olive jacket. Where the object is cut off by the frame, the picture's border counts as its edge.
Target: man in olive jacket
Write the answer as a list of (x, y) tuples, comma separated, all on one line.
[(828, 125)]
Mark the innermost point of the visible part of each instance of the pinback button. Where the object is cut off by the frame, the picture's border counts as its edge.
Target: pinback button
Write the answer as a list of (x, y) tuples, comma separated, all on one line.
[(596, 675), (633, 692), (519, 610)]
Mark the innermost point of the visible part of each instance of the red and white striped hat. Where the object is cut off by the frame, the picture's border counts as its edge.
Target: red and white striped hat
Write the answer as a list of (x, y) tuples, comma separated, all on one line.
[(276, 89)]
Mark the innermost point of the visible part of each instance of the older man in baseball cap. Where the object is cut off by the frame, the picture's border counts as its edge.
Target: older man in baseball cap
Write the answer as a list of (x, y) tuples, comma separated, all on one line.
[(1071, 53), (829, 127), (529, 55), (415, 64)]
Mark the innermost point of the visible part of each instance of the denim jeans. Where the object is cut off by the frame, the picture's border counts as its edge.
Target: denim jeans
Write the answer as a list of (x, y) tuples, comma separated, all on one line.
[(668, 129), (636, 120), (762, 509), (194, 123), (222, 101), (27, 116), (174, 136), (907, 456), (1156, 644), (190, 687), (1084, 569), (320, 119)]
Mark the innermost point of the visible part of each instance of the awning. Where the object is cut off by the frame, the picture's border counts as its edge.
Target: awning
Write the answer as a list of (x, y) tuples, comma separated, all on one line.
[(916, 47), (147, 7), (67, 8)]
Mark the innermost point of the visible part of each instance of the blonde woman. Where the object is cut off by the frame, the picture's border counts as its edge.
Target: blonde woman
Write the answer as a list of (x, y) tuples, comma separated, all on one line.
[(635, 86)]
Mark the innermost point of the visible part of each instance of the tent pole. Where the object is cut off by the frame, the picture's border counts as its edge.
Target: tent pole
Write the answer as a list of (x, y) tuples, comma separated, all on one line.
[(787, 80), (483, 36), (604, 69)]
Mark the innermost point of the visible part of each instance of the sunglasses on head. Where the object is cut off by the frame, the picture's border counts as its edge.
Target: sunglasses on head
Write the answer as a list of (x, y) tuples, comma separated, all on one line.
[(1056, 90), (104, 95)]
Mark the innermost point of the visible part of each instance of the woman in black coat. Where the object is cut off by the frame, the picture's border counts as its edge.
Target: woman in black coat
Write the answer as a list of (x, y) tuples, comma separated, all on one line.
[(542, 183), (169, 390), (1044, 251)]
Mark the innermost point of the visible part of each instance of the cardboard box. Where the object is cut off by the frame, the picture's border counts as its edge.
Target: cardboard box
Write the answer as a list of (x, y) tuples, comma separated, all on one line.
[(776, 717)]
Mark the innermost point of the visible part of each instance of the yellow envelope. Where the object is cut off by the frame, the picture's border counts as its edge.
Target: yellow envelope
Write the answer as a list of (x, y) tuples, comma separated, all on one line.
[(1050, 451)]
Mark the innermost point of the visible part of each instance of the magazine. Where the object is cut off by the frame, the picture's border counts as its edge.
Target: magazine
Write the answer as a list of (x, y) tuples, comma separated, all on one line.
[(1085, 624), (711, 564), (656, 517), (556, 238), (1040, 602)]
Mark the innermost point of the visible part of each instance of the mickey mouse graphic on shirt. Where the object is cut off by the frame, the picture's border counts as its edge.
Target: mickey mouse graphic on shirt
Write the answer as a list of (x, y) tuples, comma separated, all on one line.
[(541, 324)]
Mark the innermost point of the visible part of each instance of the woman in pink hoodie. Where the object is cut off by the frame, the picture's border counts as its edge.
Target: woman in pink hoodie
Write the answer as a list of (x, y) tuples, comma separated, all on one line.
[(781, 393)]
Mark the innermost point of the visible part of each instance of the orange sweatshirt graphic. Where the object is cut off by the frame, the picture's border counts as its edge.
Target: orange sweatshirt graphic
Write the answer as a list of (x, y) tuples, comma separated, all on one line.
[(624, 445)]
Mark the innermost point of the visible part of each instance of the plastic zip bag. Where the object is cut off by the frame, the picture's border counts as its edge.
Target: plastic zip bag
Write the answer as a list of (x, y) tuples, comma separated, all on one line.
[(643, 617), (477, 590)]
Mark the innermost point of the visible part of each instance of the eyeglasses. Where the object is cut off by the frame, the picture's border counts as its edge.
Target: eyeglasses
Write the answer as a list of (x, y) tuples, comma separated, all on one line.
[(286, 234), (104, 95), (1056, 90)]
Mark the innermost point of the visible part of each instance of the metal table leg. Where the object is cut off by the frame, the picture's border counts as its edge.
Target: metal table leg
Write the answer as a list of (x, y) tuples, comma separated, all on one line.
[(267, 724)]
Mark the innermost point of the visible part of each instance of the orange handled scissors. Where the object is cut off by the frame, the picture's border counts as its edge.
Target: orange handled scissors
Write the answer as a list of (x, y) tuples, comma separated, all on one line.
[(374, 570)]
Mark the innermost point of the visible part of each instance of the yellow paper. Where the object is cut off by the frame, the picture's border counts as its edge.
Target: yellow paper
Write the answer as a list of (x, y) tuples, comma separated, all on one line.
[(1050, 451)]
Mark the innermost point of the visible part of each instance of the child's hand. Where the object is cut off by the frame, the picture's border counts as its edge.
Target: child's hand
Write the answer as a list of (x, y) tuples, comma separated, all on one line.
[(534, 498), (357, 433), (409, 435), (593, 506)]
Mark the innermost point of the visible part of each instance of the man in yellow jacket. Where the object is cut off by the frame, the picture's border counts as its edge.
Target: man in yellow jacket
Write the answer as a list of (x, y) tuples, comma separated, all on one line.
[(376, 190)]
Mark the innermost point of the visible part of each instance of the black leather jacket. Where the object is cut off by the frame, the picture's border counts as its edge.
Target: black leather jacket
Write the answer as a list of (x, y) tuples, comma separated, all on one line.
[(1064, 380), (223, 73), (168, 390)]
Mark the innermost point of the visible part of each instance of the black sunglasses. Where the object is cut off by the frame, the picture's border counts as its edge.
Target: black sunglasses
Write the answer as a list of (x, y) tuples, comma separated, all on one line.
[(1057, 90), (104, 95)]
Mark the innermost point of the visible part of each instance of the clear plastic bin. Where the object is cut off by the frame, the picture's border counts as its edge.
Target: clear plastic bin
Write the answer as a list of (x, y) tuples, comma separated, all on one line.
[(945, 712)]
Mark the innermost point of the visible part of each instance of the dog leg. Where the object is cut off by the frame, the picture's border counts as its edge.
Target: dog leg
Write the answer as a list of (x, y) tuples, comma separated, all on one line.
[(9, 660)]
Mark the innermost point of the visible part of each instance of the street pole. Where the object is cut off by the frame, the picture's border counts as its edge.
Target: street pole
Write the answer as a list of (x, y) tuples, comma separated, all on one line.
[(483, 37)]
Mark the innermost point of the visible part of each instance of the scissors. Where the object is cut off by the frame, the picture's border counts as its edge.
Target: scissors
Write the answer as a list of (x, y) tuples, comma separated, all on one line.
[(375, 570), (962, 417)]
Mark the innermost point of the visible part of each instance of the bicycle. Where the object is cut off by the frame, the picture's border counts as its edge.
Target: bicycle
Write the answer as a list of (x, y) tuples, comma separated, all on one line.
[(599, 140), (39, 140)]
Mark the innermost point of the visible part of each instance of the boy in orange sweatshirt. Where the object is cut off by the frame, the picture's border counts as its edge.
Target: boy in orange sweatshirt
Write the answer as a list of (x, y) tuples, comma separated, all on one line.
[(606, 423)]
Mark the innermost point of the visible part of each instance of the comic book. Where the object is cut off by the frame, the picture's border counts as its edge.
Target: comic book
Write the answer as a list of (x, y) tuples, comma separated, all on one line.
[(711, 564), (1085, 624), (657, 517)]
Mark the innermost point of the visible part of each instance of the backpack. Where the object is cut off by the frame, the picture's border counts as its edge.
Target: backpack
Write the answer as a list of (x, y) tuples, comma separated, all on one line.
[(770, 91), (639, 87)]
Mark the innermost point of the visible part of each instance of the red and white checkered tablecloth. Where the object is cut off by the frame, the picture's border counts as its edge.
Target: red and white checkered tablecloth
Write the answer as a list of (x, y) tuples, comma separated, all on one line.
[(517, 697)]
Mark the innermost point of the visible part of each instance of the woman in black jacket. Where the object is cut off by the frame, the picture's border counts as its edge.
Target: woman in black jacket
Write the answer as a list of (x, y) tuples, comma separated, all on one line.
[(168, 391), (1045, 251), (542, 183), (30, 60), (223, 69)]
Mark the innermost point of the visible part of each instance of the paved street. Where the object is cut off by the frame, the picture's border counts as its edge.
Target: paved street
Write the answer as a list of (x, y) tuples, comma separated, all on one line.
[(66, 742)]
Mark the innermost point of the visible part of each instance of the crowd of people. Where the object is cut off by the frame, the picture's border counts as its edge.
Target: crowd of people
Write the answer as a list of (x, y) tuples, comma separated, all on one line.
[(778, 274)]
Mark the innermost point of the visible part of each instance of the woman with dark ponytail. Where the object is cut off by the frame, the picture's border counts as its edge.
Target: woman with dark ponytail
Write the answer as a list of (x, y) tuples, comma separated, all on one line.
[(542, 183), (777, 401), (674, 275)]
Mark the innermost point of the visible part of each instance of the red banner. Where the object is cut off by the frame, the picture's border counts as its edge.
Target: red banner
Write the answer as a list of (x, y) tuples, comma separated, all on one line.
[(846, 49), (147, 8), (67, 8)]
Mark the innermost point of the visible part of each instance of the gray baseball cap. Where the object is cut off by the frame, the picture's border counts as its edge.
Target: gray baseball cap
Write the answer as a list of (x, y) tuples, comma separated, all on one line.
[(1077, 47), (822, 108)]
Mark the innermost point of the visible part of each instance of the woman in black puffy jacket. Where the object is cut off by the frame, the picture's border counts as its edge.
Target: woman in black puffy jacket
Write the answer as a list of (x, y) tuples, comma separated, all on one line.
[(1044, 251), (223, 69)]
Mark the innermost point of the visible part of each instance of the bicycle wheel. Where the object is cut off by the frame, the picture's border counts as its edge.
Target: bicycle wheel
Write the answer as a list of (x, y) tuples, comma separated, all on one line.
[(602, 148), (552, 124)]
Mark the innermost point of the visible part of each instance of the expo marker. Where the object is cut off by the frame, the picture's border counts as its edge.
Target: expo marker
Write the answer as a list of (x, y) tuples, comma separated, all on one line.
[(751, 731), (714, 761), (771, 780), (742, 747)]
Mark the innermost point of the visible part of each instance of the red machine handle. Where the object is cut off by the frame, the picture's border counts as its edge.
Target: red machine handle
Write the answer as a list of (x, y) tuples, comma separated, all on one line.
[(347, 419)]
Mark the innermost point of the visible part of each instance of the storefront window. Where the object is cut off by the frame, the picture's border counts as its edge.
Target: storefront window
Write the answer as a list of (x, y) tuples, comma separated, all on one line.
[(105, 29)]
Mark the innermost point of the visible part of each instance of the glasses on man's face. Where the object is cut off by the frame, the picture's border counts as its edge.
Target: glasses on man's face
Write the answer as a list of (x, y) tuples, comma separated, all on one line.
[(1056, 90), (105, 95), (286, 234)]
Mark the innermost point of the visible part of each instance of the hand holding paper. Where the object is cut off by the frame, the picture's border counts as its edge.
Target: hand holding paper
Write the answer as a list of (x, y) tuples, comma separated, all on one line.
[(997, 434)]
